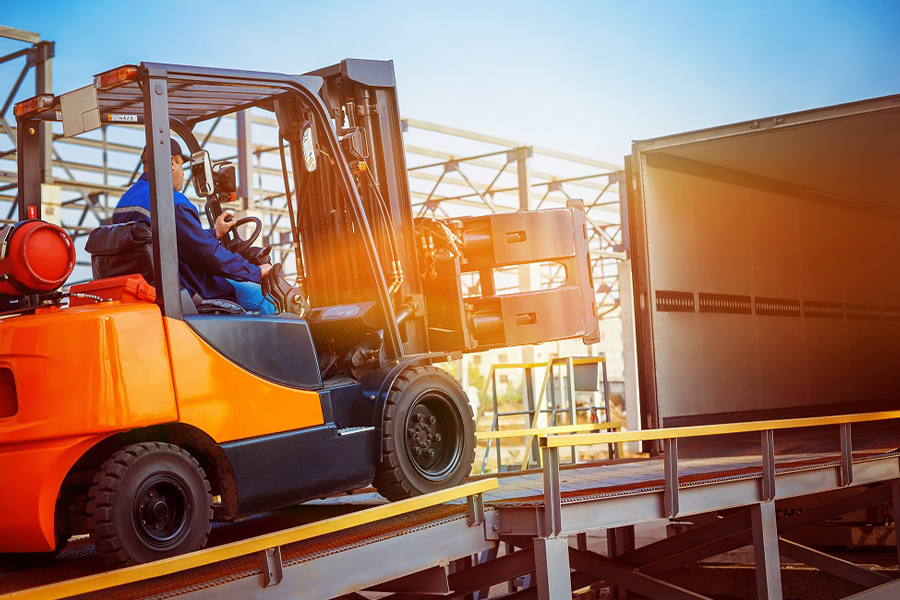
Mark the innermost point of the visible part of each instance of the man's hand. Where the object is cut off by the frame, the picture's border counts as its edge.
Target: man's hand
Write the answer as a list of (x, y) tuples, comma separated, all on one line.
[(224, 223), (265, 270)]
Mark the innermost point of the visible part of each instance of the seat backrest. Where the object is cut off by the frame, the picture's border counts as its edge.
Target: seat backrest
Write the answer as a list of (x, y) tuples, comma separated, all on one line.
[(121, 249)]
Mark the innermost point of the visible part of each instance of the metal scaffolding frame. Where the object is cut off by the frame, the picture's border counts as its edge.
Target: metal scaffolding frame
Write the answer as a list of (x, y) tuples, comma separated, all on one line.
[(452, 172), (37, 56), (498, 175)]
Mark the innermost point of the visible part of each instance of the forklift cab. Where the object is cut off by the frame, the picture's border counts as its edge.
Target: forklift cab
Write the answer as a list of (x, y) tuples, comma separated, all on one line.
[(277, 409), (170, 101), (126, 248)]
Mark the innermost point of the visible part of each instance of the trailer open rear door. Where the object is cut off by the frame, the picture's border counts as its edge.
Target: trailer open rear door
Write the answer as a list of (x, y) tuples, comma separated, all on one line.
[(767, 266)]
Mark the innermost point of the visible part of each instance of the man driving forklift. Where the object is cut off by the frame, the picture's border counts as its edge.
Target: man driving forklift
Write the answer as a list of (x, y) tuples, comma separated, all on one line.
[(206, 267)]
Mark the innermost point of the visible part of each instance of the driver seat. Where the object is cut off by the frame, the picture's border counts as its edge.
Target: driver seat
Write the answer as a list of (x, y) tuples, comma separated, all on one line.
[(126, 249)]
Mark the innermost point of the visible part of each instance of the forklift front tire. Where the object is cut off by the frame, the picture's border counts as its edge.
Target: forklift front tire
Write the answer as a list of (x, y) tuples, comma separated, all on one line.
[(148, 501), (428, 435)]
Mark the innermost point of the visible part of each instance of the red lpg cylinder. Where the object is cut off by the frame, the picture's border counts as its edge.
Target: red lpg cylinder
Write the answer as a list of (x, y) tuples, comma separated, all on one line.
[(35, 257)]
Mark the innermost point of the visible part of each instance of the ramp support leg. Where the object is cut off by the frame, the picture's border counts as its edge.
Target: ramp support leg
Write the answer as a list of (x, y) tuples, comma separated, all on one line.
[(765, 549), (551, 561), (619, 541)]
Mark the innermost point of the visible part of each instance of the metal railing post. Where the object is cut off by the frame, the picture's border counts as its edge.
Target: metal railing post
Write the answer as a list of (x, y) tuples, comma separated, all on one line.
[(475, 509), (272, 566), (670, 464), (846, 455), (496, 415), (552, 402), (534, 451), (767, 442), (552, 493), (570, 392), (612, 449), (487, 451)]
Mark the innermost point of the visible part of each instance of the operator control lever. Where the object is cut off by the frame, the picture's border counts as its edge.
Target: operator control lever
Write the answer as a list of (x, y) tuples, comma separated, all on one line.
[(258, 256), (285, 297)]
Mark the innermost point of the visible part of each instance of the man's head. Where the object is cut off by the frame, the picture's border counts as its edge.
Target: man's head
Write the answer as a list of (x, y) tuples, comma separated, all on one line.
[(178, 160)]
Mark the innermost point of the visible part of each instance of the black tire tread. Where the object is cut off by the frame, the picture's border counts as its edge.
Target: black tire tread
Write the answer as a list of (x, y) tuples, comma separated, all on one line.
[(389, 480), (107, 482)]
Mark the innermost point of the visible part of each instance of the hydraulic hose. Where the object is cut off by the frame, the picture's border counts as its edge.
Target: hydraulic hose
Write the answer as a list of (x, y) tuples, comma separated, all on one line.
[(397, 269), (295, 232)]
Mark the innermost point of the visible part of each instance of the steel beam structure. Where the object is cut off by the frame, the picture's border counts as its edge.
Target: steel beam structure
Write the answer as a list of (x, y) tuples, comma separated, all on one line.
[(37, 61)]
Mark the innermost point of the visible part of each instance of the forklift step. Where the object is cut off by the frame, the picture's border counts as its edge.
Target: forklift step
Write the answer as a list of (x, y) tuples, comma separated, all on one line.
[(352, 430)]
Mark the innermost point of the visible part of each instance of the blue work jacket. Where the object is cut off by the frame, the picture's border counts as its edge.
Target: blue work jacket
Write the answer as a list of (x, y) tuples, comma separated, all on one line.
[(203, 263)]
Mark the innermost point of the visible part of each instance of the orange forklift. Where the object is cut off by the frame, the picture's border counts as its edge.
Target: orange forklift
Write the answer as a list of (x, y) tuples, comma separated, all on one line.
[(138, 414)]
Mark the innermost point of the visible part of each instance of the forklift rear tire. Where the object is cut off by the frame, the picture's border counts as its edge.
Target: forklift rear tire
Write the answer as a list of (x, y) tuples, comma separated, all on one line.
[(148, 501), (428, 435)]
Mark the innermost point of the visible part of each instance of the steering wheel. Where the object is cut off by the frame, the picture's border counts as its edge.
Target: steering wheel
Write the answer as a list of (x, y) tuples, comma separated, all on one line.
[(234, 242)]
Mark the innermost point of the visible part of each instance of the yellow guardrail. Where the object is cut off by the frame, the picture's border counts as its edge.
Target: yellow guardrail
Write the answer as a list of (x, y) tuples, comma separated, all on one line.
[(168, 566), (550, 445), (706, 430), (557, 429)]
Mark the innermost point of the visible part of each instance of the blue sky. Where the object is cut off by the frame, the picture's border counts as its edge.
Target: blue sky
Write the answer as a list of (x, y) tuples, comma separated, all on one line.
[(586, 77)]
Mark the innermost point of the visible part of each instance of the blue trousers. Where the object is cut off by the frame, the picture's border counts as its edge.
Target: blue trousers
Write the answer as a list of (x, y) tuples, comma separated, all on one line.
[(250, 297)]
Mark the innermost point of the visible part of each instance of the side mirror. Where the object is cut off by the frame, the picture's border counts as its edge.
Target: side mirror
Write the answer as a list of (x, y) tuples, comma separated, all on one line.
[(308, 145), (354, 144), (225, 177), (202, 174)]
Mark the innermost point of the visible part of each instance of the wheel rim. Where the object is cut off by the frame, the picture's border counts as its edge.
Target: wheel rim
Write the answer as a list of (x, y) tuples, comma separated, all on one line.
[(162, 511), (434, 435)]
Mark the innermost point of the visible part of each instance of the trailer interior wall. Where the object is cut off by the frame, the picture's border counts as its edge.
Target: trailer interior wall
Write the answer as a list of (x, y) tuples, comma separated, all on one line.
[(770, 253)]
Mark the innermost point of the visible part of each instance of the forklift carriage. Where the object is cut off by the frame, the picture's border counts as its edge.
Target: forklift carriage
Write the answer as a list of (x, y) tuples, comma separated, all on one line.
[(138, 418)]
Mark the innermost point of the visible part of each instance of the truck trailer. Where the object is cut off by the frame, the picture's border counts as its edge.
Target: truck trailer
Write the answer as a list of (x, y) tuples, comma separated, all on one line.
[(766, 267)]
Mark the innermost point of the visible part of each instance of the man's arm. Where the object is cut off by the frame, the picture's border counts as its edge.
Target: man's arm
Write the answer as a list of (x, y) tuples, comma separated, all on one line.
[(199, 248)]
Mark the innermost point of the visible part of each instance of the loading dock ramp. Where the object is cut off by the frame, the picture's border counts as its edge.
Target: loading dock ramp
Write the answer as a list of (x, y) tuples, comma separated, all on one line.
[(424, 547)]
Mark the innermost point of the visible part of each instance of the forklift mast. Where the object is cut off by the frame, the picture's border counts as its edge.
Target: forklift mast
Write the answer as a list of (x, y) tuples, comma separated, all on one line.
[(362, 94), (433, 313)]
